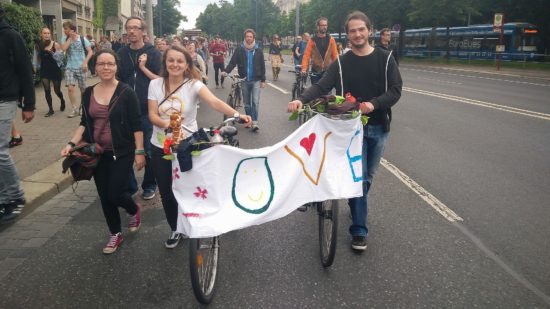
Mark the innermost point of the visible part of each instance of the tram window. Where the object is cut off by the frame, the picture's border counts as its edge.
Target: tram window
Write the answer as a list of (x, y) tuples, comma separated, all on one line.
[(489, 44)]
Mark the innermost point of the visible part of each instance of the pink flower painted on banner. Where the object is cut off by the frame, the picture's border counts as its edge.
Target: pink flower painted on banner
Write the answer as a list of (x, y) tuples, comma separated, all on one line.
[(201, 193), (176, 173), (191, 215)]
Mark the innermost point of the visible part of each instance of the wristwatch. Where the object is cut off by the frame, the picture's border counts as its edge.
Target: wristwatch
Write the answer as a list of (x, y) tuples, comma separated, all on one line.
[(237, 116)]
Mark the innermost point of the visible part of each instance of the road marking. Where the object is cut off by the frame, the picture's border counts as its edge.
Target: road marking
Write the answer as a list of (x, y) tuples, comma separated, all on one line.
[(436, 204), (480, 77), (441, 81), (504, 108), (278, 88)]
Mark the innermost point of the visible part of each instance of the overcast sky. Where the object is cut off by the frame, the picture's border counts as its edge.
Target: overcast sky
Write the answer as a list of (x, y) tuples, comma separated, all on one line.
[(192, 9)]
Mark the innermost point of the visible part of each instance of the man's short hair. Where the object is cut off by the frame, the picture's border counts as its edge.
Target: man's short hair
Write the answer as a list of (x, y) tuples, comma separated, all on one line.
[(384, 30), (143, 25), (358, 15), (321, 19), (251, 31), (69, 24)]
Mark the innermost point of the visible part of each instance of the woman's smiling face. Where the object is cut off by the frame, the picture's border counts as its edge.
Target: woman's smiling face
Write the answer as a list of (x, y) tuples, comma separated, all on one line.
[(175, 63)]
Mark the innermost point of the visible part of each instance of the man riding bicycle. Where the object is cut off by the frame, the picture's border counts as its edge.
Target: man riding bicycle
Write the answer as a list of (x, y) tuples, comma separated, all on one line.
[(321, 50), (372, 75)]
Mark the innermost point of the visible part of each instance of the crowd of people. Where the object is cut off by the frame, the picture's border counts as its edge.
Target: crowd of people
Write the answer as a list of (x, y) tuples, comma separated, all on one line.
[(141, 83)]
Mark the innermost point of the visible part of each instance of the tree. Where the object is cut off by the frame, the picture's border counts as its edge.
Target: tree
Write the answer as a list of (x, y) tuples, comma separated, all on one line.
[(25, 20), (442, 13), (169, 18)]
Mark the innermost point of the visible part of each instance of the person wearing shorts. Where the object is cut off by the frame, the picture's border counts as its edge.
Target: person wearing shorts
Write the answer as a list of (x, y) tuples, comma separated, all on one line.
[(79, 52)]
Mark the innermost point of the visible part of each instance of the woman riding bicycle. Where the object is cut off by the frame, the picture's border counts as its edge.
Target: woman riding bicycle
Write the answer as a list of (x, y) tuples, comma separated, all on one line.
[(177, 90)]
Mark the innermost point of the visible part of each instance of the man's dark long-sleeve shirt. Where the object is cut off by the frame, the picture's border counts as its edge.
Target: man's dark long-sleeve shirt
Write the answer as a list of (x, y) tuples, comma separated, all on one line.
[(16, 80), (373, 78)]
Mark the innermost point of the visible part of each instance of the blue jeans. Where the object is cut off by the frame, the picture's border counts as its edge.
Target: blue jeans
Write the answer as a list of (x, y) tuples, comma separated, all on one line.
[(374, 141), (10, 188), (149, 183), (251, 98)]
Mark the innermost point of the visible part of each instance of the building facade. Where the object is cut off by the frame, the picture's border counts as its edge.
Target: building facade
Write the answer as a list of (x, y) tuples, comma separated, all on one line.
[(55, 12)]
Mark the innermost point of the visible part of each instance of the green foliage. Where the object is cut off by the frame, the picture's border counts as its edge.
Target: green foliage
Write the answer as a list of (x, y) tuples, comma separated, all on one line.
[(110, 7), (230, 20), (166, 17), (99, 17), (27, 21)]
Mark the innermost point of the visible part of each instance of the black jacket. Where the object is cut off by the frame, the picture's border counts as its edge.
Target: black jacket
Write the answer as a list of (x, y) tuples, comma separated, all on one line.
[(381, 80), (130, 73), (124, 119), (239, 59), (16, 80)]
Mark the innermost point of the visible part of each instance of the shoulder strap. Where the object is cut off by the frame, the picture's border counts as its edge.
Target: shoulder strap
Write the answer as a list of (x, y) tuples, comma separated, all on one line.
[(171, 93), (83, 45)]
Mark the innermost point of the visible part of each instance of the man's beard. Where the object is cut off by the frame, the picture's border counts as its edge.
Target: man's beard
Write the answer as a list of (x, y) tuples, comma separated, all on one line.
[(358, 46), (323, 31)]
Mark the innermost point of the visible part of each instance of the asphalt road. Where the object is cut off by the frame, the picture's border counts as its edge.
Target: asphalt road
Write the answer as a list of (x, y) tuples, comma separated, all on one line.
[(487, 163)]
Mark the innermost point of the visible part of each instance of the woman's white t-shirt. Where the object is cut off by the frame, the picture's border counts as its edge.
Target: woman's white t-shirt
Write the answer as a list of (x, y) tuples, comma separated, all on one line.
[(184, 101)]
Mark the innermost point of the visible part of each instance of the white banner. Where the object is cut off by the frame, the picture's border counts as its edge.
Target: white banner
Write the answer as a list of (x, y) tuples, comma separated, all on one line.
[(231, 188)]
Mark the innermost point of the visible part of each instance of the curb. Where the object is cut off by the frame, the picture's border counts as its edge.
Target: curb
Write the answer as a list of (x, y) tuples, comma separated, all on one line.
[(43, 185)]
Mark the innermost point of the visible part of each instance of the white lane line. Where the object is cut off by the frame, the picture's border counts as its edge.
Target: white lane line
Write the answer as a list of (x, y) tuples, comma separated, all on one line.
[(441, 81), (504, 108), (278, 88), (480, 77), (436, 204)]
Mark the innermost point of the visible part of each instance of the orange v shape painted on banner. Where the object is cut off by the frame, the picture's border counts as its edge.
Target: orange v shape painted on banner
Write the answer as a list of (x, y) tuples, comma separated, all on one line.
[(316, 180)]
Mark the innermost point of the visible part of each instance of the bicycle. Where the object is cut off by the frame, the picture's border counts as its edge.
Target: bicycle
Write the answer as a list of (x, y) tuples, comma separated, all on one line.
[(326, 210), (235, 97), (204, 252), (299, 87)]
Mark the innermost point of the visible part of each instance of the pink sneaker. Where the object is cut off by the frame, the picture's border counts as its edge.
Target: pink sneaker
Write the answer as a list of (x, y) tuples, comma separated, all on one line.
[(114, 242), (134, 222)]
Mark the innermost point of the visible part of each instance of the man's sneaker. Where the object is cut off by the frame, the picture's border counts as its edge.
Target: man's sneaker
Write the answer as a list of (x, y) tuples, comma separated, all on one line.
[(255, 128), (173, 241), (74, 113), (302, 208), (148, 194), (359, 243), (16, 141), (134, 222), (114, 242)]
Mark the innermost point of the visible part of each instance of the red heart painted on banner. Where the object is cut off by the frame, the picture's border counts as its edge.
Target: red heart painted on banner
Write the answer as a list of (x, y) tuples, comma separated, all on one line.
[(308, 142)]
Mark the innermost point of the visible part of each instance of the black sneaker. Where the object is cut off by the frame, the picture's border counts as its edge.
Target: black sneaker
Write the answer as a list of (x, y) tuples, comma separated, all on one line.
[(173, 241), (15, 141), (359, 243)]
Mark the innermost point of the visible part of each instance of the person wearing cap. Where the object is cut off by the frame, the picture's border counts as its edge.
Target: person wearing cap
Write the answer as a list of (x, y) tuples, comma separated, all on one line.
[(275, 56)]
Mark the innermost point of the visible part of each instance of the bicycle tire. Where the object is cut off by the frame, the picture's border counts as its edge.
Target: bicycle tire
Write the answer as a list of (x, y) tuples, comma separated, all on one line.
[(294, 90), (328, 230), (238, 99), (203, 265), (230, 102)]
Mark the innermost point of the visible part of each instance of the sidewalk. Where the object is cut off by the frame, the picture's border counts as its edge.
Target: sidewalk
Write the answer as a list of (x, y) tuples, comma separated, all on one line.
[(38, 160)]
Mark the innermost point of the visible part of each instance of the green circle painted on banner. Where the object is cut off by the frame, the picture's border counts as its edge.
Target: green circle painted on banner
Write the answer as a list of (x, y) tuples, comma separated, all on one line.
[(253, 186)]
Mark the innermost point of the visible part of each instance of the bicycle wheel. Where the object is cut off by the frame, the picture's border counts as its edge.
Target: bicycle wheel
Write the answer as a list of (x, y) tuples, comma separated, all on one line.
[(230, 102), (328, 229), (294, 90), (203, 262), (238, 99)]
